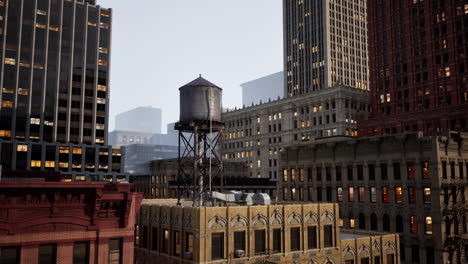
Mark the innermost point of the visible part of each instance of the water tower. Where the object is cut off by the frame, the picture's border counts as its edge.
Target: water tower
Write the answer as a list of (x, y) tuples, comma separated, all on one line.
[(200, 129)]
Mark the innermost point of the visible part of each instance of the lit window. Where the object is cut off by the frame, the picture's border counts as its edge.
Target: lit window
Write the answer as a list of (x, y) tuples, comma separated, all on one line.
[(425, 169), (373, 194), (77, 150), (40, 25), (413, 224), (293, 175), (385, 195), (340, 194), (22, 148), (50, 164), (398, 194), (269, 118), (427, 195), (258, 142), (35, 163), (7, 90), (104, 13), (35, 121), (279, 115), (350, 194), (103, 50), (10, 61), (64, 150), (7, 104), (447, 71), (101, 100), (428, 225), (259, 163), (23, 91), (412, 195), (102, 63), (104, 25), (53, 28), (80, 178), (285, 175), (5, 133), (41, 12), (93, 24), (352, 223), (362, 194), (258, 120), (63, 164)]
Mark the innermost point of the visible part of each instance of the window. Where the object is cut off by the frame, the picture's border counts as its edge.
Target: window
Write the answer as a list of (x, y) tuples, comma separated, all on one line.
[(385, 195), (360, 172), (399, 223), (165, 245), (10, 255), (398, 194), (351, 194), (22, 148), (277, 240), (285, 175), (328, 236), (239, 240), (377, 260), (295, 233), (427, 195), (312, 237), (362, 194), (390, 258), (383, 171), (352, 223), (371, 172), (188, 244), (414, 254), (396, 171), (259, 242), (444, 169), (77, 150), (410, 170), (115, 251), (362, 221), (176, 243), (413, 224), (35, 163), (217, 246), (373, 222), (428, 225), (47, 254), (319, 173), (412, 195), (365, 260), (340, 194), (154, 240), (386, 223), (425, 170), (81, 252), (349, 261), (350, 173), (373, 194), (338, 173), (293, 175)]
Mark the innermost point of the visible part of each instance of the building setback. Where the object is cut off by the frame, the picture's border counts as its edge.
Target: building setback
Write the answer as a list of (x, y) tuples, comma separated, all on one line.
[(55, 88), (325, 44), (256, 135), (419, 67), (284, 233), (53, 222), (409, 184), (269, 87)]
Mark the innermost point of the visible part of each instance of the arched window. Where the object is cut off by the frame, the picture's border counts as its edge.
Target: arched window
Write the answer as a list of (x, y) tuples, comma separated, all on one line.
[(386, 223), (362, 221), (447, 227), (413, 224), (428, 224), (373, 220), (399, 223)]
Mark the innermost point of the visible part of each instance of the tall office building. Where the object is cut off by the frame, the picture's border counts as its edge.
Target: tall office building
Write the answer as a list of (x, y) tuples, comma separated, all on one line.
[(325, 44), (418, 62), (55, 88), (141, 119)]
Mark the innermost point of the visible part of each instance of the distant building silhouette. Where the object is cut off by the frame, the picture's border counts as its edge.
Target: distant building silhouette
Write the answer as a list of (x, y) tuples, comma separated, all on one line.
[(266, 88), (145, 119)]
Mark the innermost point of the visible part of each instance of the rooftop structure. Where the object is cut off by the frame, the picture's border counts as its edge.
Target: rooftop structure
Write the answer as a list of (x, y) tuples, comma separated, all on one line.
[(281, 233)]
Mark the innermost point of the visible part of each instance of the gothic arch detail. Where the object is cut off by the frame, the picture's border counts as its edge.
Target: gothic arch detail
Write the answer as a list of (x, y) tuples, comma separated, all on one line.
[(364, 250), (390, 246), (349, 252), (311, 218), (294, 219), (217, 222), (259, 220), (239, 221), (327, 216), (276, 217)]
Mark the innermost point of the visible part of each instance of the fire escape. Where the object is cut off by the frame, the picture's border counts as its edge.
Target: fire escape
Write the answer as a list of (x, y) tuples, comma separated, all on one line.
[(455, 215)]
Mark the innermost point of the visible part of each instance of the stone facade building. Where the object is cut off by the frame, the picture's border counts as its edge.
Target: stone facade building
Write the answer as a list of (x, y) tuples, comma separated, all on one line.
[(408, 184), (284, 233), (257, 135), (64, 223)]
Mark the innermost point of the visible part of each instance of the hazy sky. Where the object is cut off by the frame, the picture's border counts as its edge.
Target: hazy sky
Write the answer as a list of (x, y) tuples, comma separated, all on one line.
[(160, 45)]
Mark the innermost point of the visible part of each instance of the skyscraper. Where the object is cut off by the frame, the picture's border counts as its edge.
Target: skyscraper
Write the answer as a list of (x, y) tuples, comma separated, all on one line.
[(145, 119), (418, 63), (325, 44), (55, 88)]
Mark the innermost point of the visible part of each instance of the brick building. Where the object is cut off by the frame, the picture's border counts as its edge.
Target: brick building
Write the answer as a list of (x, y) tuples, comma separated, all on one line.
[(65, 223), (409, 184), (418, 66), (301, 233)]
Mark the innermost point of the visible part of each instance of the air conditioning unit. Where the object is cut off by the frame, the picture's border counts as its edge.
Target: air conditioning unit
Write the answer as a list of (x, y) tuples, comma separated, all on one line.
[(188, 255), (239, 253)]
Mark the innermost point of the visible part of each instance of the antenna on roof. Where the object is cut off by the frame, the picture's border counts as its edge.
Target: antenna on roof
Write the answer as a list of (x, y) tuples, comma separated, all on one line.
[(200, 75)]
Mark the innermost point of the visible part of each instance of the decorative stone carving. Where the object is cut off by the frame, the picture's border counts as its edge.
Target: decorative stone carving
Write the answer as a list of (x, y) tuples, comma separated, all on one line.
[(164, 218), (259, 220), (327, 216), (177, 220), (377, 247), (276, 217), (154, 217), (295, 219), (312, 262), (349, 252), (239, 221), (329, 261), (311, 218), (217, 222), (187, 221), (390, 246), (364, 250)]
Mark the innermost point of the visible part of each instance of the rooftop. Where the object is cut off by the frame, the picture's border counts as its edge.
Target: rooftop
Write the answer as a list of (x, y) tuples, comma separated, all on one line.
[(352, 234)]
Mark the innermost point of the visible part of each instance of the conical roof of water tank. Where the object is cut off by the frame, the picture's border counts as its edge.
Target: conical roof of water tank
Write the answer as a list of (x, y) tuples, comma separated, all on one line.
[(200, 101)]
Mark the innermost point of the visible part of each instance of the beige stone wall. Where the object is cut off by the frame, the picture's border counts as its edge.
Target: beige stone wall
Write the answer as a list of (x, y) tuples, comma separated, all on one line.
[(205, 221)]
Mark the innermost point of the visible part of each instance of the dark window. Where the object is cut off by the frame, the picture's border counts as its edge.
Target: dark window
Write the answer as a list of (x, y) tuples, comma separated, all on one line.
[(329, 194), (371, 172), (176, 243), (377, 260), (444, 169), (10, 255), (144, 236), (399, 223), (217, 246), (115, 251), (277, 240), (386, 223), (430, 255), (414, 254), (452, 169), (312, 237), (154, 239), (365, 260), (295, 238), (373, 222), (396, 171), (338, 173), (319, 173), (362, 221), (81, 253), (391, 258), (360, 172), (259, 242), (328, 236), (239, 240), (48, 254), (350, 173), (319, 194), (383, 171)]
